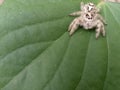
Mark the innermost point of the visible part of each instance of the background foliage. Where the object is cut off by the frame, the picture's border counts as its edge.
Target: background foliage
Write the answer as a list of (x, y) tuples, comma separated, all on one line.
[(36, 52)]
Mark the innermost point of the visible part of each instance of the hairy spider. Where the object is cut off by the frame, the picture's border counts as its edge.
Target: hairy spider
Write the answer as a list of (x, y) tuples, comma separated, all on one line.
[(88, 19)]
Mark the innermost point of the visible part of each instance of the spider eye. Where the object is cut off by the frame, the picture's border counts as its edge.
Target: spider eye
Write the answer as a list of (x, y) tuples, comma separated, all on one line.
[(92, 15), (87, 15), (91, 8)]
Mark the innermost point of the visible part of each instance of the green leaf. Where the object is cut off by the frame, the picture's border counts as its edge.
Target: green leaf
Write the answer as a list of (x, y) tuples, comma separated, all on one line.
[(37, 53)]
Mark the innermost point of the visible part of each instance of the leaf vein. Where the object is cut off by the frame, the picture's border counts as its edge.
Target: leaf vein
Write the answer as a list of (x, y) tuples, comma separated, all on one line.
[(84, 63), (107, 58), (29, 63)]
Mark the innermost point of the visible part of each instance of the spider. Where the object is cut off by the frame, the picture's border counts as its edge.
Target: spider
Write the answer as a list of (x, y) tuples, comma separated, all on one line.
[(88, 20)]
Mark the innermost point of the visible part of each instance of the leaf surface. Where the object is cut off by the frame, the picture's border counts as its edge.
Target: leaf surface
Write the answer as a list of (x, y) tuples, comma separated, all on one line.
[(37, 53)]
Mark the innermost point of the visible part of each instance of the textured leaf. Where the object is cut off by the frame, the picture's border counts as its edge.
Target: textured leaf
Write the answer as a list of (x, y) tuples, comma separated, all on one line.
[(36, 52)]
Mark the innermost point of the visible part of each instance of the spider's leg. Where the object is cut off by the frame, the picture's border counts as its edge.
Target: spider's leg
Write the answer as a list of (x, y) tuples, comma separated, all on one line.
[(98, 29), (78, 13), (74, 28), (98, 10), (82, 5), (103, 30), (101, 18), (74, 25)]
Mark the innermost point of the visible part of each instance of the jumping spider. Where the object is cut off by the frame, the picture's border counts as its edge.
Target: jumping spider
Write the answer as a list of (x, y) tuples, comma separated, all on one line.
[(89, 18)]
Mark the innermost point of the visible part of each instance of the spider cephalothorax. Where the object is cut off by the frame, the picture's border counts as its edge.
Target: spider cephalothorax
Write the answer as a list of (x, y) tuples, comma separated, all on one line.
[(88, 19)]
